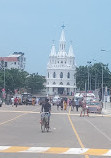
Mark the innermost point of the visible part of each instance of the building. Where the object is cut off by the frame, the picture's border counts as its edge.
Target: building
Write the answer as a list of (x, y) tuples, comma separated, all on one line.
[(15, 60), (61, 70)]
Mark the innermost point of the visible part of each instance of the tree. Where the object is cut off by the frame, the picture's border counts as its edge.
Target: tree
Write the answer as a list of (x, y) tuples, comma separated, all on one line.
[(35, 83), (81, 77), (95, 72)]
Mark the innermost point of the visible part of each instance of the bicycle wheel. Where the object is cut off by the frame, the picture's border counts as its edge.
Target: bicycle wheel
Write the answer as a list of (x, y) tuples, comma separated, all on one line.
[(43, 126), (47, 126), (47, 129)]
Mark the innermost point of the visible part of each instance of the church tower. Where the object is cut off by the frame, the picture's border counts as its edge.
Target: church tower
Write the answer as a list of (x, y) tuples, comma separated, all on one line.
[(61, 69)]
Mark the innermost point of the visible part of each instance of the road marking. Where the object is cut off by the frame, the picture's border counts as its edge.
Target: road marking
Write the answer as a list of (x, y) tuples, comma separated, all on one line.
[(37, 149), (13, 149), (56, 150), (78, 138), (108, 138), (96, 151), (53, 113), (13, 118)]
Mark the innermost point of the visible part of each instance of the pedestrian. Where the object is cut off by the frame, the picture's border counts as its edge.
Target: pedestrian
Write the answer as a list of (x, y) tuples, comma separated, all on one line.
[(37, 101), (72, 104), (16, 101), (84, 108), (77, 104), (58, 103), (68, 100), (12, 101), (19, 101), (61, 104), (65, 104)]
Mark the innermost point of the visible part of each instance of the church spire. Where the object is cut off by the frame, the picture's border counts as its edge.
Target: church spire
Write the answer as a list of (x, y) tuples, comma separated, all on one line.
[(71, 52), (62, 40), (53, 50)]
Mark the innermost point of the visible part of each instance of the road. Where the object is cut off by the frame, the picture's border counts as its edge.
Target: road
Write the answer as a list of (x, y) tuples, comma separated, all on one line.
[(70, 135)]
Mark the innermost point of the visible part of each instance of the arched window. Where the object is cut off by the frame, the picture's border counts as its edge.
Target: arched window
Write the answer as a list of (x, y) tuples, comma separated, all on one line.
[(61, 83), (68, 75), (68, 83), (54, 83), (61, 75), (48, 74), (54, 75)]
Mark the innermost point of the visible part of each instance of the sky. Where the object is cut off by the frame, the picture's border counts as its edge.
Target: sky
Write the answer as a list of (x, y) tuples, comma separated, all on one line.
[(30, 26)]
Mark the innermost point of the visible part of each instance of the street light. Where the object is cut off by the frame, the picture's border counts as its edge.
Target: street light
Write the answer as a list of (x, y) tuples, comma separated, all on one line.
[(103, 50)]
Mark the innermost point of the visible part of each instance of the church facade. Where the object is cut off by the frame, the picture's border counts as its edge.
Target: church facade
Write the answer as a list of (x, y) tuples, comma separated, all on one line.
[(61, 69)]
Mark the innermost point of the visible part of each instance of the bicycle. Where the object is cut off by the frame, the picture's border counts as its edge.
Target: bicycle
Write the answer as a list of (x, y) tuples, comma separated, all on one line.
[(45, 121)]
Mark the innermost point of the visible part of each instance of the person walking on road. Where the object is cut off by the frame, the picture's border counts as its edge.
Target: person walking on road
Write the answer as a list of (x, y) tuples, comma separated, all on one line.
[(84, 108), (16, 101), (65, 105), (77, 104), (72, 104), (61, 104)]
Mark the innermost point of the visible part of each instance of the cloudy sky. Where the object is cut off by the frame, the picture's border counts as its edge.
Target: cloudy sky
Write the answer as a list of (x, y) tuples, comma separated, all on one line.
[(29, 26)]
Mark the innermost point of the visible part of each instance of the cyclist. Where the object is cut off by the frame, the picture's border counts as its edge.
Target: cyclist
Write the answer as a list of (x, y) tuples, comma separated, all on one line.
[(46, 107)]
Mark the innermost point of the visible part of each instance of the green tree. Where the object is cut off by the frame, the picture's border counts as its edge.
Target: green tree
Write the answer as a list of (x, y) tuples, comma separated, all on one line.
[(35, 82), (95, 72), (81, 77)]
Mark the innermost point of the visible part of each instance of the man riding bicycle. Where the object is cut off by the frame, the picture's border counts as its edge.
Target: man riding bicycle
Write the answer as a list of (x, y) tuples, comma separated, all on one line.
[(46, 108)]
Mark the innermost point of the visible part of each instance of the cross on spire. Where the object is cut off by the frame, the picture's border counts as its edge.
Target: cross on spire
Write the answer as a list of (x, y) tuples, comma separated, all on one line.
[(63, 26)]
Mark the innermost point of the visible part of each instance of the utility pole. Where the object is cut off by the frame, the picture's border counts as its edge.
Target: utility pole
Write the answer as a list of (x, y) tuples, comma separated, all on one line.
[(102, 84), (90, 82), (4, 75)]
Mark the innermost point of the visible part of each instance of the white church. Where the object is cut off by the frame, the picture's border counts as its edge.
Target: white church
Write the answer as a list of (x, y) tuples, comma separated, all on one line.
[(61, 69)]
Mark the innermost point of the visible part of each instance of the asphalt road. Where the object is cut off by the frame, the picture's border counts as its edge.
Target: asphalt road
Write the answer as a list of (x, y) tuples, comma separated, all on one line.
[(70, 135)]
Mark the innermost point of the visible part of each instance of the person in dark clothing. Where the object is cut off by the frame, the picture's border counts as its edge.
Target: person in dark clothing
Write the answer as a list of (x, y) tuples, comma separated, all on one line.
[(46, 108), (77, 104), (72, 104), (61, 104)]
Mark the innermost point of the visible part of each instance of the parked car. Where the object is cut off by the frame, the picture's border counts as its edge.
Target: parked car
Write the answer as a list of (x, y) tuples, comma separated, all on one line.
[(0, 102), (56, 100), (29, 101), (25, 97), (94, 107)]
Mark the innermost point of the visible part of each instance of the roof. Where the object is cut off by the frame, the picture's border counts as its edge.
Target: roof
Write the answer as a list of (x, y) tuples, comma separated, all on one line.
[(8, 59), (14, 55)]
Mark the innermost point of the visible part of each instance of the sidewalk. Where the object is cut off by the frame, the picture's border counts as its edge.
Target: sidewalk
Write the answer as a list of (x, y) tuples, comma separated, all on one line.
[(106, 108)]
